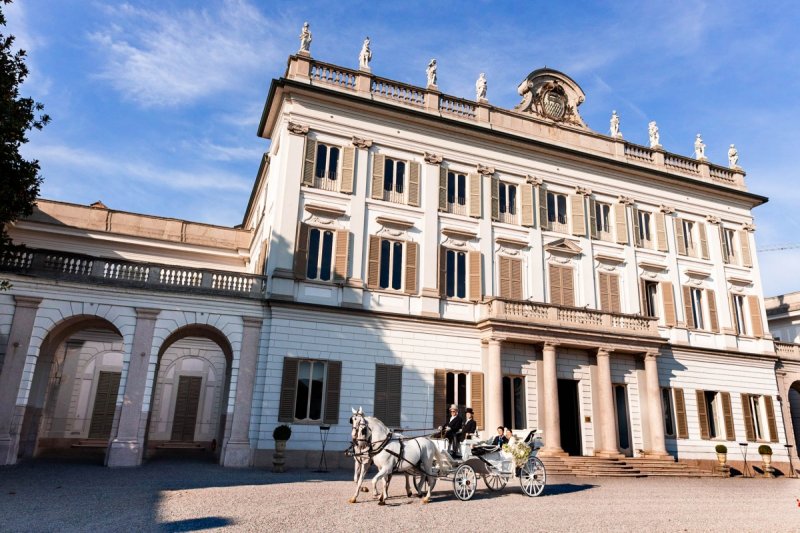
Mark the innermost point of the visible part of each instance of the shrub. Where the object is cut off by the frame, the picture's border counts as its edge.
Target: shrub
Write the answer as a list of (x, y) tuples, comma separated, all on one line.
[(764, 449), (721, 448), (282, 432)]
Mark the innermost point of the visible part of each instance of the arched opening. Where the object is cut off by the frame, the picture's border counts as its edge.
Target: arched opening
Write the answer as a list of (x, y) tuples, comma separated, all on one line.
[(72, 403), (794, 410), (189, 399)]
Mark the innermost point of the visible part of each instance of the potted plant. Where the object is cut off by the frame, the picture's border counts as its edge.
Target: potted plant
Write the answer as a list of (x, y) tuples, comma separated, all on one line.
[(766, 456), (280, 434), (722, 454)]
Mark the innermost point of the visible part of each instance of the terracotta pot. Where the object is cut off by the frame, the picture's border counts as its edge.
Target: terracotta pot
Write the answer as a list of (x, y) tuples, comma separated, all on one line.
[(280, 446), (278, 460), (767, 459), (722, 458)]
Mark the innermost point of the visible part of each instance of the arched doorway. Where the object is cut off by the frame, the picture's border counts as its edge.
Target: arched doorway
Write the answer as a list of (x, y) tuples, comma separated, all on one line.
[(794, 410), (188, 405), (72, 403)]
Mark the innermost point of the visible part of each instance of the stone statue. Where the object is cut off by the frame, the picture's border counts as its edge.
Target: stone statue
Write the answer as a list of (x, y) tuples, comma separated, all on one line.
[(733, 157), (652, 130), (699, 148), (365, 56), (615, 125), (480, 87), (431, 71), (305, 39)]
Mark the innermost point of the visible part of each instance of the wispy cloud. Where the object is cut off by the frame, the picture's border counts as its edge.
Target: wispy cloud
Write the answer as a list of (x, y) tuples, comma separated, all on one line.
[(24, 39)]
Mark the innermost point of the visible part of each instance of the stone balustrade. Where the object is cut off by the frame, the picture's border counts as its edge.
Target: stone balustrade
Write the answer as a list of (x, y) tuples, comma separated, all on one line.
[(555, 315), (788, 351), (429, 100), (96, 270)]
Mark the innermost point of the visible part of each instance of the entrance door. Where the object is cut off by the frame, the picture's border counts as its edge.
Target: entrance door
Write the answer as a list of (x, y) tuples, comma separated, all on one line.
[(623, 420), (570, 414), (186, 404), (105, 402)]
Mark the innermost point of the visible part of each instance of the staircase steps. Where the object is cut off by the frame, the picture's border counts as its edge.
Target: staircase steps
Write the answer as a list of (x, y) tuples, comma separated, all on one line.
[(626, 467), (91, 443), (177, 445)]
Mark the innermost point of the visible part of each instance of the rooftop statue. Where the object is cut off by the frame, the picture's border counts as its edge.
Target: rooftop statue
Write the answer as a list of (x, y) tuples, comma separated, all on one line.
[(480, 87), (699, 148), (365, 56), (305, 39), (652, 131), (615, 125), (733, 157), (431, 72)]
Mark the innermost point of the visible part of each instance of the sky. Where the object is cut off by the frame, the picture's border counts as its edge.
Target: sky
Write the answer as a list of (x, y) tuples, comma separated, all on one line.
[(155, 104)]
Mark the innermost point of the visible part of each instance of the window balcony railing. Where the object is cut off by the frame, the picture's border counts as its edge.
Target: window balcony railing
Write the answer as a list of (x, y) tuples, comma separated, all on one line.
[(394, 197), (327, 183), (100, 271), (508, 218), (457, 209)]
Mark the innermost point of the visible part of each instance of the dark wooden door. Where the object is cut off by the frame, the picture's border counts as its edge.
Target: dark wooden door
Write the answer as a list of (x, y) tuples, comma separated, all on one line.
[(186, 404), (570, 414), (105, 402)]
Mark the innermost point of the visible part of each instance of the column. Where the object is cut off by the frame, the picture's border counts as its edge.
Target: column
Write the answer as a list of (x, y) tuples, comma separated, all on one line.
[(127, 447), (19, 340), (655, 411), (236, 451), (493, 387), (605, 427), (552, 418)]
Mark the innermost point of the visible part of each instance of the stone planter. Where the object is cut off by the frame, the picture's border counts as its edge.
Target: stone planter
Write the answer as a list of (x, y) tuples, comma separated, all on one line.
[(722, 458), (278, 459), (766, 459)]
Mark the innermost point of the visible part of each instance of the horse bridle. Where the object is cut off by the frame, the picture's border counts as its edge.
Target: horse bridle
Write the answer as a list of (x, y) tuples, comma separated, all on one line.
[(362, 438)]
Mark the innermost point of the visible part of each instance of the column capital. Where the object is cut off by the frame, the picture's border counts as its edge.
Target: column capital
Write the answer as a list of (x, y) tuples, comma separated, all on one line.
[(27, 301), (551, 344), (252, 321), (297, 129), (492, 340), (147, 313), (651, 354), (364, 144), (604, 351)]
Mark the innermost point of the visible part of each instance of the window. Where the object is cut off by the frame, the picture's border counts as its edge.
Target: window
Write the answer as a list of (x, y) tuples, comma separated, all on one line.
[(456, 193), (391, 265), (739, 314), (394, 175), (651, 298), (310, 391), (388, 394), (456, 277), (465, 389), (561, 285), (510, 277), (728, 243), (327, 166), (456, 390), (514, 402), (759, 418), (645, 235), (602, 221), (714, 413), (609, 292), (508, 200), (669, 413), (756, 406), (557, 212), (320, 254), (697, 308), (688, 240)]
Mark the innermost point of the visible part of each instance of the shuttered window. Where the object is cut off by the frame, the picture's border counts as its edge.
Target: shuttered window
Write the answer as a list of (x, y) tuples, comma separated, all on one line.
[(744, 243), (454, 275), (578, 209), (310, 391), (187, 401), (600, 220), (105, 402), (321, 254), (454, 187), (392, 265), (620, 224), (642, 229), (609, 292), (715, 415), (388, 394), (661, 232), (668, 301), (759, 418), (680, 414), (395, 180), (465, 389), (557, 212), (755, 315), (562, 285), (510, 277), (527, 211)]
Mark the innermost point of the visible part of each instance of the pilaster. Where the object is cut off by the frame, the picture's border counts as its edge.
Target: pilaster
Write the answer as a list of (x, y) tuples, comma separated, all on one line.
[(655, 412), (552, 419), (493, 386)]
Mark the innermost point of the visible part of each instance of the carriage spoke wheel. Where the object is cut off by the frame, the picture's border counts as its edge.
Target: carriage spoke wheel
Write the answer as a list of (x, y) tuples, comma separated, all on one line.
[(495, 482), (532, 477), (464, 482)]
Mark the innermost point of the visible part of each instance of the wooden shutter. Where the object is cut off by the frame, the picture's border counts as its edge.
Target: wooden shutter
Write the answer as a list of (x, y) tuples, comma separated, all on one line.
[(374, 262), (614, 296), (442, 272), (333, 392), (439, 397), (687, 307), (605, 291), (668, 300), (734, 321), (724, 249), (476, 396), (702, 415), (755, 316), (413, 184), (637, 237), (442, 188), (340, 265), (701, 230), (568, 286), (620, 224), (378, 163), (680, 236), (643, 297), (749, 427), (301, 252), (348, 170), (105, 403), (412, 253), (661, 232), (379, 409), (262, 258), (310, 162), (712, 310), (516, 279), (388, 394), (544, 222), (187, 399), (773, 426), (680, 414), (727, 414), (744, 243), (495, 199), (578, 215), (475, 266), (504, 273), (556, 289), (526, 191), (592, 218), (475, 195), (288, 387)]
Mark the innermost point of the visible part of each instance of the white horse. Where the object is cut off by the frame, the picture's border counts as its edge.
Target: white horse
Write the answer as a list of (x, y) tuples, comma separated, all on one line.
[(390, 454)]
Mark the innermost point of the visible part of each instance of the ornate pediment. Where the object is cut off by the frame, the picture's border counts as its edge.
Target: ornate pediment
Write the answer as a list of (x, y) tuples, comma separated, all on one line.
[(552, 95), (563, 247)]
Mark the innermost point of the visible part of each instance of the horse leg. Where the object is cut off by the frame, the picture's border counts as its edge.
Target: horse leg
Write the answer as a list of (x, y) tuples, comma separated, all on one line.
[(383, 472), (408, 486), (431, 482), (361, 474)]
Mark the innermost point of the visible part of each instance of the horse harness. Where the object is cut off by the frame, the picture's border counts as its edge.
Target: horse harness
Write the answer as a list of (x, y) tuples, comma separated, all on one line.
[(370, 452)]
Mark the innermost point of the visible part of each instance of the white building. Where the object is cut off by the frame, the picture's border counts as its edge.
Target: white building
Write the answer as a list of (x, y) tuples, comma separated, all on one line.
[(403, 250)]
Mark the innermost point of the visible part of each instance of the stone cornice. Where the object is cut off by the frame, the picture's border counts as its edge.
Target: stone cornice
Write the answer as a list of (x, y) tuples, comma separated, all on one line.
[(326, 211), (397, 223), (460, 234)]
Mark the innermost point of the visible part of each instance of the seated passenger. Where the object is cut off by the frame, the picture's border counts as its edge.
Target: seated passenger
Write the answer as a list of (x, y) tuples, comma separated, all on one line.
[(508, 435), (470, 429), (499, 439)]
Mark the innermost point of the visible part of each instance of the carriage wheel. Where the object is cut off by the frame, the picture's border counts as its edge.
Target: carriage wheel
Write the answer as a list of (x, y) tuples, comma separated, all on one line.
[(494, 482), (532, 477), (421, 484), (464, 482)]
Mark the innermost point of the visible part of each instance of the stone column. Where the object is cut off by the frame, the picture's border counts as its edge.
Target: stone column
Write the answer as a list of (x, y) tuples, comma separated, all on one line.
[(19, 340), (552, 418), (127, 447), (605, 427), (655, 413), (236, 450), (493, 387)]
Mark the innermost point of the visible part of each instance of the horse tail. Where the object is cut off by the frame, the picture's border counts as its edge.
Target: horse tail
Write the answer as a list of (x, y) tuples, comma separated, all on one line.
[(441, 459)]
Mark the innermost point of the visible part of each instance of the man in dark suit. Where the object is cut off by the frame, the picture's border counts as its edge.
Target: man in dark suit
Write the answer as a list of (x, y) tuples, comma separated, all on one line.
[(470, 427), (452, 428), (499, 439)]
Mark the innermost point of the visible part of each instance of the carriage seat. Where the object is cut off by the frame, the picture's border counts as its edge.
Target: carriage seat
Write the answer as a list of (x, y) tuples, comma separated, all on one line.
[(483, 449)]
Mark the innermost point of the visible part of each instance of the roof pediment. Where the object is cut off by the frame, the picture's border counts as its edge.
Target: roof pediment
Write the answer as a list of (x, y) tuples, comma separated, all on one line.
[(563, 246), (552, 95)]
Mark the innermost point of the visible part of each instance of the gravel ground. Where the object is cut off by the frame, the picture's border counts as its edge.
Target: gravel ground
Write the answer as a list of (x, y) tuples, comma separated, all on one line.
[(187, 496)]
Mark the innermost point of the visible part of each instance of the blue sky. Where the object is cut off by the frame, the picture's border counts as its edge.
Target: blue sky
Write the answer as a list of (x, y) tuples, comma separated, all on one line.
[(155, 104)]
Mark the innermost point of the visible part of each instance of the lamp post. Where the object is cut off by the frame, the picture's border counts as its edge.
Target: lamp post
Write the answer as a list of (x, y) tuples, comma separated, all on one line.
[(789, 453), (743, 448), (324, 430)]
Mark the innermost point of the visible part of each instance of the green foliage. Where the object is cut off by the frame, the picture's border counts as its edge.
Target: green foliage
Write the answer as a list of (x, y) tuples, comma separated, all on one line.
[(764, 449), (20, 181), (282, 432), (721, 448)]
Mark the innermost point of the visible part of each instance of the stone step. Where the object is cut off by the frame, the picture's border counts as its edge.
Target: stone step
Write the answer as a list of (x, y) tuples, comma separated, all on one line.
[(91, 443)]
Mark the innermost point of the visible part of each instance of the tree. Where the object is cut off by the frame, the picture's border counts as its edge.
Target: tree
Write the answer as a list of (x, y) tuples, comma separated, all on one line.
[(19, 178)]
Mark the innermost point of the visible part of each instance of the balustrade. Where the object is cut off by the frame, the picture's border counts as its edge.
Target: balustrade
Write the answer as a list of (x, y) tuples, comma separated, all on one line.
[(333, 75), (457, 106), (407, 94), (681, 163), (638, 152)]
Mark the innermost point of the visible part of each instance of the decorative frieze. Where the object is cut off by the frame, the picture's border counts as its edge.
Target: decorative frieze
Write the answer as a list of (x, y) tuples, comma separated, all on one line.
[(297, 129)]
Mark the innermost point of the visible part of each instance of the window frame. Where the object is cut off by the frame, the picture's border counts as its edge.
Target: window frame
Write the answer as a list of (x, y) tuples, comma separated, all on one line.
[(511, 379), (456, 207), (392, 264), (715, 415), (740, 315), (320, 252), (698, 305), (603, 221), (392, 194), (653, 303), (455, 397), (729, 242), (459, 272), (670, 417), (324, 391), (554, 215), (689, 240), (645, 229), (507, 202)]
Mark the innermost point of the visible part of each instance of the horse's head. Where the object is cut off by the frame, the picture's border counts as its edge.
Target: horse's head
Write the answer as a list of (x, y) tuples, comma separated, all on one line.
[(360, 431)]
